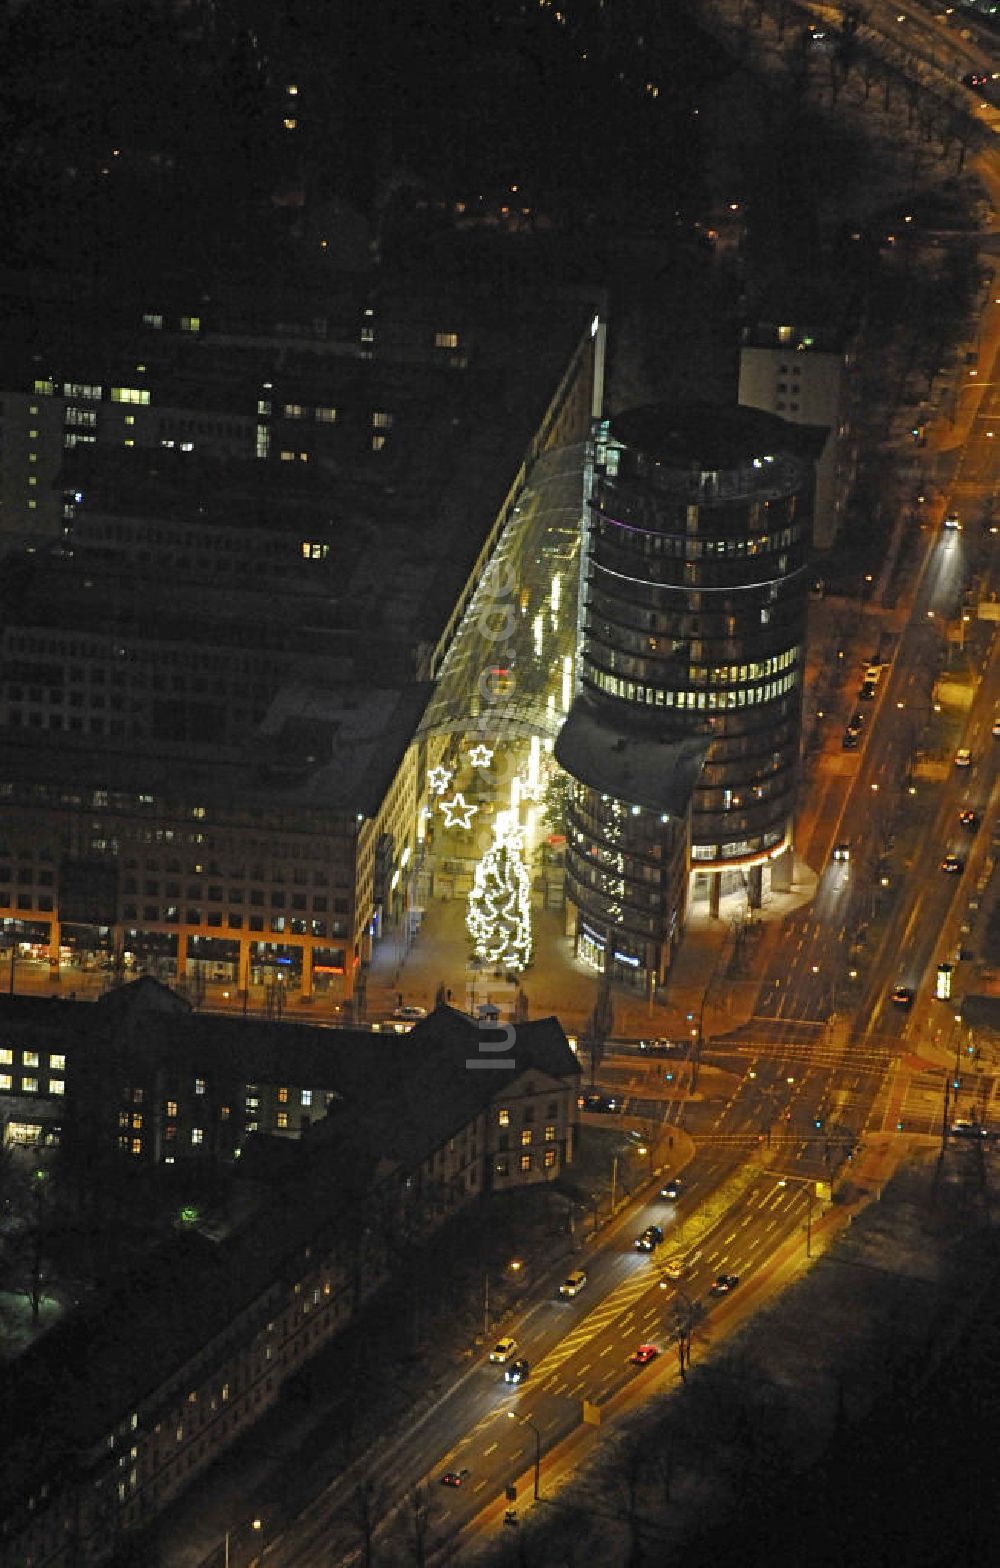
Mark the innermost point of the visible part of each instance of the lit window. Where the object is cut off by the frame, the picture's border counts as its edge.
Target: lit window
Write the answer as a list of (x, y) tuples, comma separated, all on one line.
[(282, 1120), (44, 388), (290, 124), (326, 416), (29, 1058), (129, 395), (171, 1107), (550, 1158), (292, 90), (190, 323), (29, 1085), (6, 1081), (314, 550), (263, 405), (283, 1095), (307, 1097), (223, 1113), (137, 1120), (525, 1137), (381, 421), (503, 1117), (446, 340), (6, 1058), (294, 410), (57, 1062), (130, 419), (151, 319), (199, 1086), (288, 457), (136, 1145), (378, 442), (525, 1162), (197, 1135), (550, 1133)]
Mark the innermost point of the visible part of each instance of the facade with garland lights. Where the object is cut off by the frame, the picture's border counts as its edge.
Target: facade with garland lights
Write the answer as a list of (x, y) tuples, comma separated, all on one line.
[(692, 630), (211, 695)]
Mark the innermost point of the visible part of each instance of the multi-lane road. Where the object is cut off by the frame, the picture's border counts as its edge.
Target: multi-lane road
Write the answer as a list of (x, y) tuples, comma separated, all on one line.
[(797, 1090)]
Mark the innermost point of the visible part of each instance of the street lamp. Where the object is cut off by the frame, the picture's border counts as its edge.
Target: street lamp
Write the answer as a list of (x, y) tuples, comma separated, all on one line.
[(255, 1524), (809, 1182), (514, 1415)]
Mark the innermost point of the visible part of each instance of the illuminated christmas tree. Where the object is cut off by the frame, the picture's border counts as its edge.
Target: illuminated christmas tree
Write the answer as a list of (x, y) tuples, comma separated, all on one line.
[(499, 915)]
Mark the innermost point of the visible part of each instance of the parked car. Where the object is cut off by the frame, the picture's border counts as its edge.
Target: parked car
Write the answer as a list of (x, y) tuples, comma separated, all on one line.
[(902, 996)]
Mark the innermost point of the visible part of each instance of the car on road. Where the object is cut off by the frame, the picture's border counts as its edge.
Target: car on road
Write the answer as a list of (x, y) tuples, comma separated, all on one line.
[(675, 1268), (963, 757), (856, 723), (517, 1371), (867, 691), (902, 996), (842, 851), (658, 1047), (953, 522), (503, 1349), (966, 1129), (995, 731), (723, 1284), (650, 1239), (644, 1355), (850, 740), (672, 1190), (953, 865), (969, 821), (573, 1283), (455, 1477), (411, 1014), (600, 1104)]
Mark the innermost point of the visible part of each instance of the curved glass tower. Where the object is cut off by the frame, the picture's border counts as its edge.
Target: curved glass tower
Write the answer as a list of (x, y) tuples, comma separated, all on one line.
[(693, 610)]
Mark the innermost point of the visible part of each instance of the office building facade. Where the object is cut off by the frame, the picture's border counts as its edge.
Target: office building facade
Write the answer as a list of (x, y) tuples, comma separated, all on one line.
[(692, 630)]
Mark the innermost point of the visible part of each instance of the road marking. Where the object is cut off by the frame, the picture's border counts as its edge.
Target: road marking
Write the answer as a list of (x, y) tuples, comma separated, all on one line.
[(491, 1450), (605, 1352)]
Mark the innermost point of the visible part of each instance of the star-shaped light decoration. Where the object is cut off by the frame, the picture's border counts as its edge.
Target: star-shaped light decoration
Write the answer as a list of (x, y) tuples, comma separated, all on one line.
[(438, 780), (480, 756), (458, 813), (530, 791)]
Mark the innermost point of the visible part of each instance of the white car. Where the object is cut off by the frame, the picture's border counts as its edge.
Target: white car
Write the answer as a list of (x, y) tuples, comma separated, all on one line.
[(573, 1283), (953, 522), (503, 1350), (963, 757)]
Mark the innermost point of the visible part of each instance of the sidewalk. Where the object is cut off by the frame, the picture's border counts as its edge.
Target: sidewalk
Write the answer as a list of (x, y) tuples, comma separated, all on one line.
[(561, 984)]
